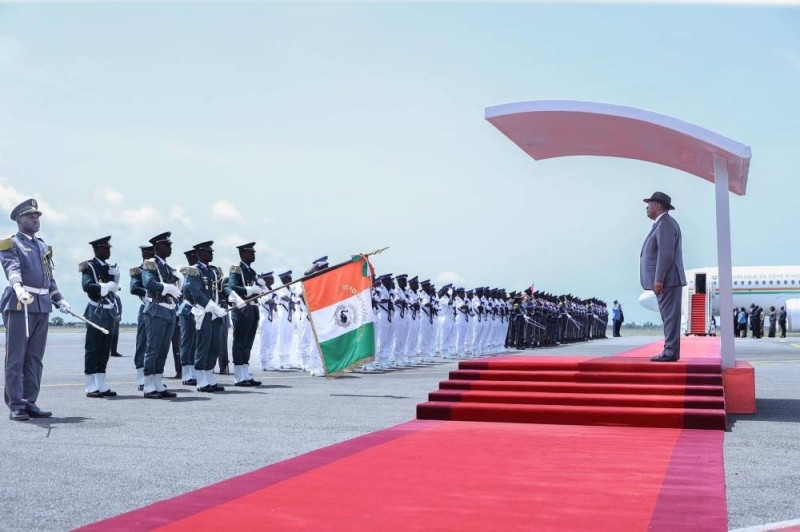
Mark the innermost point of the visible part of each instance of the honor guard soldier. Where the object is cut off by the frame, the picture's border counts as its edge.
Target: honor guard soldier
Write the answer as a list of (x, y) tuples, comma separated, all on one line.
[(242, 288), (401, 319), (269, 325), (309, 350), (286, 344), (412, 337), (203, 284), (137, 289), (161, 284), (384, 313), (26, 305), (100, 281), (187, 325)]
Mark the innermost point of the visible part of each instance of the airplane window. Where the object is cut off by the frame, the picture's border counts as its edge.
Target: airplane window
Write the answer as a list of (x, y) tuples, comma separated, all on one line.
[(770, 282), (749, 282)]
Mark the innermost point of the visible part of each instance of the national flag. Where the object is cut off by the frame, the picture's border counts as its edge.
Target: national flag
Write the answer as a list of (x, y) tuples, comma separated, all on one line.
[(340, 308)]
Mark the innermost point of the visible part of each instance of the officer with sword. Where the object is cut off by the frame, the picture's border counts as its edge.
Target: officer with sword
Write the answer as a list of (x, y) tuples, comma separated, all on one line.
[(26, 305)]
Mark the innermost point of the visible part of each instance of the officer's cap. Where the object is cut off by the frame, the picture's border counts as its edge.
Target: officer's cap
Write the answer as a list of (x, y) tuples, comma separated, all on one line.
[(190, 253), (322, 260), (385, 276), (101, 242), (250, 246), (401, 276), (268, 274), (204, 246), (28, 206), (415, 278), (287, 273), (146, 247), (460, 289), (163, 237)]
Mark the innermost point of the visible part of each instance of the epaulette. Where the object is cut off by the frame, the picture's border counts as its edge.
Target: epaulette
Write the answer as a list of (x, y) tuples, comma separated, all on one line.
[(49, 252), (135, 271), (149, 264), (6, 243), (235, 268), (190, 270), (82, 266)]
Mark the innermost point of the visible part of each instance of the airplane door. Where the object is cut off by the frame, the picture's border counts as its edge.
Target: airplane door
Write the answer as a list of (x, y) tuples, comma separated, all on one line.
[(699, 283)]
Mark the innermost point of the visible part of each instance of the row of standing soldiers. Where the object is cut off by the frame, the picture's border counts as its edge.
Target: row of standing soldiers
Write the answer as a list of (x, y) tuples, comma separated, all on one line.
[(540, 319)]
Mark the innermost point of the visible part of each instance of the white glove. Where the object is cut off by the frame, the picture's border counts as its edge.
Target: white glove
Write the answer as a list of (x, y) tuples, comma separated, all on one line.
[(64, 306), (110, 286), (23, 295), (171, 290), (215, 309), (254, 290), (113, 271), (260, 282), (234, 299)]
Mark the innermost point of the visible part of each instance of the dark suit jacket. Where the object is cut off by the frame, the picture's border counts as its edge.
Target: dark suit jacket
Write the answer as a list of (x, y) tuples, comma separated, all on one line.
[(661, 258)]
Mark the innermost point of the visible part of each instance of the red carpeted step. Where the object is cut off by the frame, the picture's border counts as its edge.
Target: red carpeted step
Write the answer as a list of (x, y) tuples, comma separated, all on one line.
[(590, 376), (582, 387), (605, 364), (589, 399), (712, 419)]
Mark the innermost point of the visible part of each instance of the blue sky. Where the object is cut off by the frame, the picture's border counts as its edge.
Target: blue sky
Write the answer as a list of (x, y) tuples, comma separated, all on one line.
[(329, 128)]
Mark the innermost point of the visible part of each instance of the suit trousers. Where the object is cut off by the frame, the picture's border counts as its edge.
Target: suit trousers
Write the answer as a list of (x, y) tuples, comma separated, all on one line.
[(24, 357), (187, 346), (669, 305), (159, 337), (141, 338), (245, 326)]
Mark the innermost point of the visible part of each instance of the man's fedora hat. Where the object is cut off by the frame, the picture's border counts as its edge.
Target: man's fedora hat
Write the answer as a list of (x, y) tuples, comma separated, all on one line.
[(661, 198)]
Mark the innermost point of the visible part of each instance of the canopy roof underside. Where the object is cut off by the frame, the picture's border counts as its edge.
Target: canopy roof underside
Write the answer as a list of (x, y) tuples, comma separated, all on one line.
[(556, 128)]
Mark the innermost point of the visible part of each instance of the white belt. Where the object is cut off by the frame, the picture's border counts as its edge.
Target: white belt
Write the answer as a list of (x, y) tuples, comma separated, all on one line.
[(39, 291), (105, 305), (170, 306)]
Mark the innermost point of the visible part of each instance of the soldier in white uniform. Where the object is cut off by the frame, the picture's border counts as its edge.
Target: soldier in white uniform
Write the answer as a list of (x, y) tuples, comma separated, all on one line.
[(462, 323), (427, 321), (412, 336), (445, 335), (400, 320), (288, 322), (270, 322), (384, 314), (309, 351)]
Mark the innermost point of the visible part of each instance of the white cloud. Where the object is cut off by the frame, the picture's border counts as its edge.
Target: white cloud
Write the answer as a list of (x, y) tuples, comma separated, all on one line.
[(139, 217), (224, 210), (112, 197), (449, 277), (178, 213)]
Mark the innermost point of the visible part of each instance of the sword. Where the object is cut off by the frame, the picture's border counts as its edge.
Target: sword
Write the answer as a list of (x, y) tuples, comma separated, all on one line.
[(27, 325), (87, 322)]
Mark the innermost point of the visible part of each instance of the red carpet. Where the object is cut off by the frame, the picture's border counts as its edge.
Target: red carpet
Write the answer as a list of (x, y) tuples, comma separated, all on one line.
[(624, 390), (435, 475), (427, 475)]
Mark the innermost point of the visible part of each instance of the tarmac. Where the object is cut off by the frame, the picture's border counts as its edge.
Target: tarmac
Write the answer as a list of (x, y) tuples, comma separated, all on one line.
[(96, 458)]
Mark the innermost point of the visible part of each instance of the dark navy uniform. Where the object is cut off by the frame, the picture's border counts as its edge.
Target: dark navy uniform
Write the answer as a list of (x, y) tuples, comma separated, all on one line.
[(243, 282), (100, 282), (203, 285), (160, 282), (142, 320), (28, 264), (187, 326)]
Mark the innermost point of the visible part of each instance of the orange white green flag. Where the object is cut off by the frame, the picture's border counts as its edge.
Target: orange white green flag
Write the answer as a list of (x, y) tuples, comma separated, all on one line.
[(339, 303)]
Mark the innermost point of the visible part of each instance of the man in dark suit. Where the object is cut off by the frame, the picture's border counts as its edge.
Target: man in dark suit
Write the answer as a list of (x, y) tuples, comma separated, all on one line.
[(661, 270)]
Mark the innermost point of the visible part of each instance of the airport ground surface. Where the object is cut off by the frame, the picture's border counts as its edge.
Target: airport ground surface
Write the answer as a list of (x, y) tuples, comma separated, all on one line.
[(101, 457)]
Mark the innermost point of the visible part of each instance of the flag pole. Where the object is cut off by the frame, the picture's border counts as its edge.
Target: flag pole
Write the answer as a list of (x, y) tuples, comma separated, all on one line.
[(311, 276)]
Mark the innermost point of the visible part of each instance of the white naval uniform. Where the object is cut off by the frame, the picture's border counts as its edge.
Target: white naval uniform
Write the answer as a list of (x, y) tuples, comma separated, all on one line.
[(384, 324), (462, 326), (400, 320), (412, 337), (270, 325), (445, 339), (286, 344), (427, 326)]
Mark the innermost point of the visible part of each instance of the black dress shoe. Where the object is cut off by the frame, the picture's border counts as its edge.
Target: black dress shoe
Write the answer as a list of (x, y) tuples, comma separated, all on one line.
[(207, 388), (246, 383), (18, 415), (218, 387), (166, 394), (190, 382), (254, 382), (140, 387), (176, 376), (94, 394), (109, 393), (117, 355), (663, 358), (35, 411), (152, 395)]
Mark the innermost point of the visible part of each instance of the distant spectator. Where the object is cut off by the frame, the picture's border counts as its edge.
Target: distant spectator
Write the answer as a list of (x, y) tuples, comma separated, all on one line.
[(772, 321), (618, 317), (742, 322), (782, 322)]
